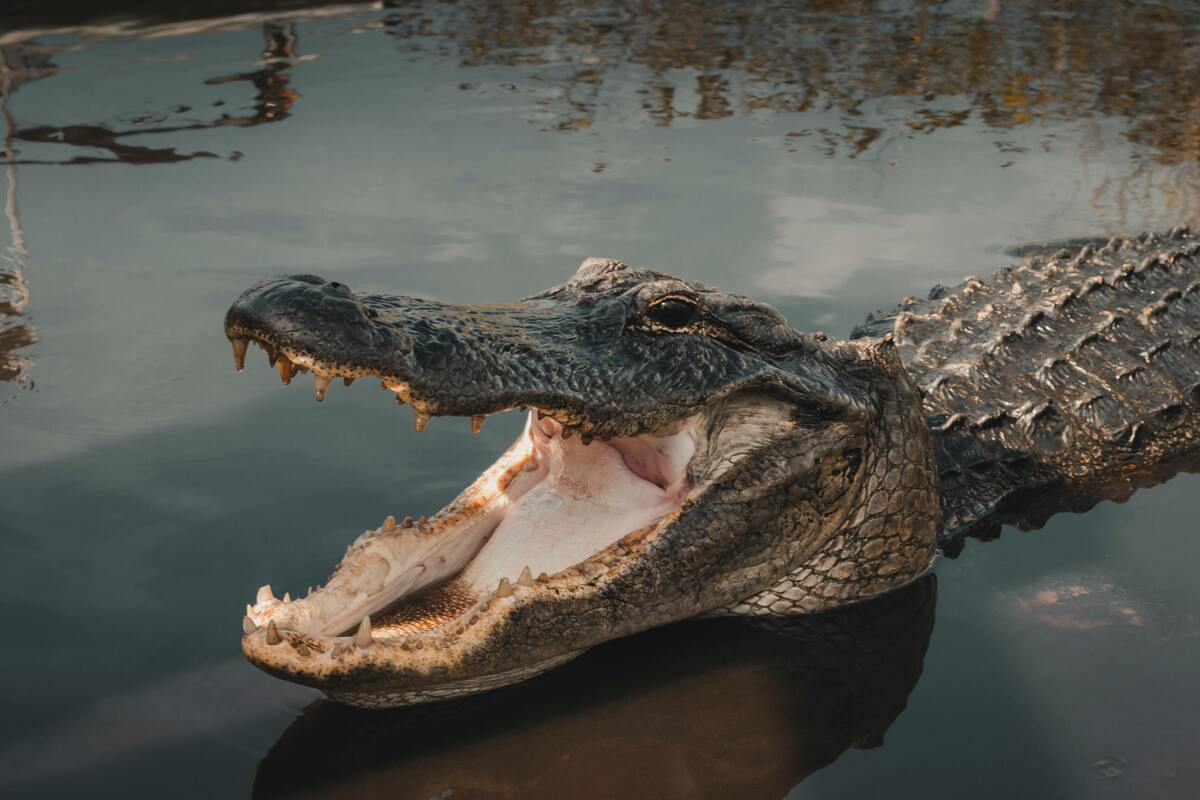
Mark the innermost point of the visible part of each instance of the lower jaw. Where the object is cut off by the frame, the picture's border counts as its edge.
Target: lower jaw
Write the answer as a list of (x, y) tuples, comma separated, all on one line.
[(510, 551)]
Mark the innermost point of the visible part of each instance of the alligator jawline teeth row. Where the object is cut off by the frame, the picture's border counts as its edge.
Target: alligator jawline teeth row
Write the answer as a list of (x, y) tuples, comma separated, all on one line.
[(290, 366)]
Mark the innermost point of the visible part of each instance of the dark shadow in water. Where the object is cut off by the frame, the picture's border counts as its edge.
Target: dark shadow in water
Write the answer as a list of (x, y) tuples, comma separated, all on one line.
[(706, 708)]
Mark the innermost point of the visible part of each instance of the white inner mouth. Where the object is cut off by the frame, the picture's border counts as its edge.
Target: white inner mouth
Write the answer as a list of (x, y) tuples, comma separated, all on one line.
[(548, 504)]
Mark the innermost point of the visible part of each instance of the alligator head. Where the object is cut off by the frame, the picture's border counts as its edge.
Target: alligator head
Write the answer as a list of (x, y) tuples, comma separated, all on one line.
[(685, 452)]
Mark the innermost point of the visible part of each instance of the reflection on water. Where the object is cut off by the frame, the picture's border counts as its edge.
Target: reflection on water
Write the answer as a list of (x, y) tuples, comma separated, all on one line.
[(15, 332), (272, 103), (27, 61), (712, 709), (827, 157), (884, 71)]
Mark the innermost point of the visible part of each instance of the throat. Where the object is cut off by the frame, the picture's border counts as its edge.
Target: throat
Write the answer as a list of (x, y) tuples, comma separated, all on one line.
[(589, 497)]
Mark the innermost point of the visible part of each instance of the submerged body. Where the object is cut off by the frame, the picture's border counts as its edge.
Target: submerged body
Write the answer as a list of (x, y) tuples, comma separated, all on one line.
[(687, 452)]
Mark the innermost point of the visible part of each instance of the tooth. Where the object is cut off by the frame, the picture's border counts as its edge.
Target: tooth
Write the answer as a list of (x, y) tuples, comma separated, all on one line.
[(265, 595), (320, 383), (383, 385), (285, 370), (347, 381), (362, 636), (504, 589), (422, 520), (531, 465), (249, 609), (240, 343), (543, 578), (248, 626), (272, 354), (407, 522), (389, 524), (309, 592), (340, 649), (420, 420), (287, 598), (526, 578), (567, 433), (273, 636), (477, 422)]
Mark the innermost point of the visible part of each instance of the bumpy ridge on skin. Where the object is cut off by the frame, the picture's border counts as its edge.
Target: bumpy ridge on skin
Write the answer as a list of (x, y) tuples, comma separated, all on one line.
[(1074, 371)]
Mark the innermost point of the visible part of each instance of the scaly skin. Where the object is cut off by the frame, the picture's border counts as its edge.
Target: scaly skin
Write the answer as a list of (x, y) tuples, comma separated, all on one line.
[(1060, 382), (815, 480)]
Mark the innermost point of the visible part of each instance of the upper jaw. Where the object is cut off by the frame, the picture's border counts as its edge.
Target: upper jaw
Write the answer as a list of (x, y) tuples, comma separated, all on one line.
[(571, 360)]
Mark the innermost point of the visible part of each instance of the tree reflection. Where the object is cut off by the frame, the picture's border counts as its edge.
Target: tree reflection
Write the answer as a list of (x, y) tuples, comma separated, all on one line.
[(27, 61), (883, 71)]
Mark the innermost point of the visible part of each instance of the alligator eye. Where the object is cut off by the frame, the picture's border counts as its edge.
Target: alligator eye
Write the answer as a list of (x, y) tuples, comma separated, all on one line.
[(673, 312)]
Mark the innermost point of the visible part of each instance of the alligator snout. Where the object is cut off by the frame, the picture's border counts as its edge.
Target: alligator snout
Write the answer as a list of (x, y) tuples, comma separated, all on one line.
[(311, 319)]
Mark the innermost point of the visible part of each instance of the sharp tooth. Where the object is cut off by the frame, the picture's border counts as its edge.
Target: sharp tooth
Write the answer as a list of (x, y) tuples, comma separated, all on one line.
[(320, 384), (477, 422), (273, 636), (240, 343), (249, 609), (265, 595), (383, 385), (504, 589), (347, 381), (526, 578), (248, 626), (543, 578), (272, 353), (389, 524), (420, 420), (422, 520), (407, 522), (287, 598), (362, 636), (309, 592), (285, 370)]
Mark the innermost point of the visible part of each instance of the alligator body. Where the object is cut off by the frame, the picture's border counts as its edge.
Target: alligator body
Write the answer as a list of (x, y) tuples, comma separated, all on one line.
[(687, 452), (1069, 379)]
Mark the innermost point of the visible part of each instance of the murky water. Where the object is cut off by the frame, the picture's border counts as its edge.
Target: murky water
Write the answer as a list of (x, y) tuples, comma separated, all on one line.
[(829, 158)]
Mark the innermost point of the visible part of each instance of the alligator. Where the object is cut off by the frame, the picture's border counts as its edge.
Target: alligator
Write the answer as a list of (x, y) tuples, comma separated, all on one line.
[(686, 452)]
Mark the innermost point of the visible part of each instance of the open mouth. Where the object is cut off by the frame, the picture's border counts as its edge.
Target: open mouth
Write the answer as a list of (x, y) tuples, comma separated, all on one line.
[(557, 507)]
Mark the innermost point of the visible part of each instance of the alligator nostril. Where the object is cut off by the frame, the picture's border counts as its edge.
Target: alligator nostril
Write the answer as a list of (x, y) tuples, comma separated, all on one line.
[(339, 289)]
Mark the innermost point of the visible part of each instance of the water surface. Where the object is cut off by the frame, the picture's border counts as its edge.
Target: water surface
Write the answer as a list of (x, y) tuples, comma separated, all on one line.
[(828, 158)]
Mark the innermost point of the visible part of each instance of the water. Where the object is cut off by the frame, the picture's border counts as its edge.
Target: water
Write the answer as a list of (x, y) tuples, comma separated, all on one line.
[(827, 159)]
